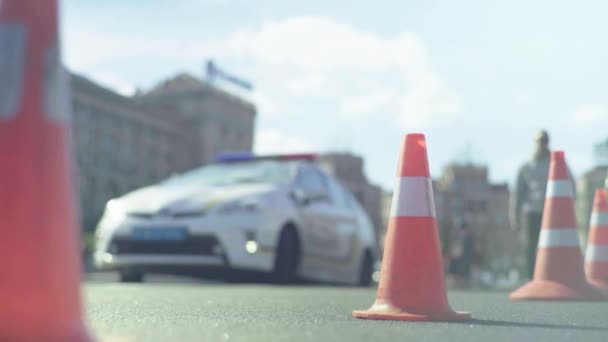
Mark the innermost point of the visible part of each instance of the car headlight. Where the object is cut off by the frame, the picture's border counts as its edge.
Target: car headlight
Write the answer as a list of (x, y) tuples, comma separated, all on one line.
[(112, 215), (243, 206), (114, 205)]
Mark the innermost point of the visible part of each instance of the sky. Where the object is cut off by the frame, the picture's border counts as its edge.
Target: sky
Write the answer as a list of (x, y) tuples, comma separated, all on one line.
[(479, 78)]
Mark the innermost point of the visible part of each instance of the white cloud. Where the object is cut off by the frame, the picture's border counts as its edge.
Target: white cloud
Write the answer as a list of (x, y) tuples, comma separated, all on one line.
[(322, 45), (590, 114), (217, 2), (314, 56), (427, 100), (271, 141), (87, 48), (265, 104), (114, 81), (308, 84), (84, 49), (359, 106), (523, 98)]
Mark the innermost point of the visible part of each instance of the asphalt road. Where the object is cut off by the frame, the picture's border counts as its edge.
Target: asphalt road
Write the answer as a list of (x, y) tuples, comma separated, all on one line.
[(171, 309)]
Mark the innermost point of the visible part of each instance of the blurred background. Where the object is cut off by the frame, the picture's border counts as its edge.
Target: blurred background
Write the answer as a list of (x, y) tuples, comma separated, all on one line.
[(165, 87)]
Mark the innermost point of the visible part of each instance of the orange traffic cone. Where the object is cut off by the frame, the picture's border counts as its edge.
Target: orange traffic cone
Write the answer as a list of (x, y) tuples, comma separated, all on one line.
[(412, 286), (558, 273), (596, 257), (40, 276)]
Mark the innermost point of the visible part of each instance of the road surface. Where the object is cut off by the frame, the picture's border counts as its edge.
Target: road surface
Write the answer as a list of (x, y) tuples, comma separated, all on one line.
[(170, 309)]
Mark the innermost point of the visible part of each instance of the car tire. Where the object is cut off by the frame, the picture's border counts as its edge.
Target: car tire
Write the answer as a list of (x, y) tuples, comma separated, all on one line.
[(129, 276), (366, 270), (287, 257)]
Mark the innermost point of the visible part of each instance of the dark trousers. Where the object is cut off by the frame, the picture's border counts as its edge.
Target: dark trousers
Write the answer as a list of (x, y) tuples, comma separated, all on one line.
[(531, 226)]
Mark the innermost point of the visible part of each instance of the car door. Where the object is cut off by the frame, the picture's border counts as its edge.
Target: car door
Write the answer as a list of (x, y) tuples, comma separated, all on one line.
[(344, 223), (316, 215)]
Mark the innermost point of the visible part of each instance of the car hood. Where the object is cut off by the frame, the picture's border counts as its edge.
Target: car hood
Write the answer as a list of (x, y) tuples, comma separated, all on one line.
[(179, 199)]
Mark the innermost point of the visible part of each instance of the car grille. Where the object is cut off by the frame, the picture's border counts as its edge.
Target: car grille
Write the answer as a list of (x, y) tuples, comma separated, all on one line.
[(176, 215), (193, 245), (141, 215)]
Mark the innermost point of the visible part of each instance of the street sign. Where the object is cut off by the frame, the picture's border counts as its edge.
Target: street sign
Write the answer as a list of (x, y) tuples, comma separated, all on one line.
[(214, 72)]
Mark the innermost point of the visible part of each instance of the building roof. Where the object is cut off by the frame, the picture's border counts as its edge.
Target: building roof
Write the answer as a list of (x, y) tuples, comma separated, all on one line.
[(80, 83), (178, 83), (187, 83)]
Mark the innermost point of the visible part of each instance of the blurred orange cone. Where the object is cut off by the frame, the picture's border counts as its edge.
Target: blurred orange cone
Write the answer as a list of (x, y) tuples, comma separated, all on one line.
[(411, 285), (558, 273), (40, 276), (596, 257)]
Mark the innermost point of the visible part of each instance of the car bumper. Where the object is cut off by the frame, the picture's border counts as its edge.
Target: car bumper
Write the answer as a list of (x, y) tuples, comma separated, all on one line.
[(114, 261), (241, 243)]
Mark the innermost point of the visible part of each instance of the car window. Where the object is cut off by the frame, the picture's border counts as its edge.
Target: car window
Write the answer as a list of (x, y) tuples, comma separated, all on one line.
[(351, 202), (263, 171), (337, 194), (311, 180)]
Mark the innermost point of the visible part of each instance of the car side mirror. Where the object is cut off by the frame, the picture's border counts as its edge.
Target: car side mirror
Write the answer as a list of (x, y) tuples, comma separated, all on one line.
[(306, 197), (299, 196), (317, 196)]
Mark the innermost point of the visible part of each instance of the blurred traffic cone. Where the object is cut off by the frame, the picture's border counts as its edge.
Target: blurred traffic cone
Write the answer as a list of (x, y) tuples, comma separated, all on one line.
[(558, 273), (411, 285), (596, 257), (40, 276)]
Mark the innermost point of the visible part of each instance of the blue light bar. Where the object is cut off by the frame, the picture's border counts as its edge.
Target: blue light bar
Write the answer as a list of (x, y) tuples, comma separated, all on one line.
[(234, 157), (243, 156)]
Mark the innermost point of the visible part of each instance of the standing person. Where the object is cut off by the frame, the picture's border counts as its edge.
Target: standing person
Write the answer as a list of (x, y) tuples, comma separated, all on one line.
[(468, 253), (528, 198)]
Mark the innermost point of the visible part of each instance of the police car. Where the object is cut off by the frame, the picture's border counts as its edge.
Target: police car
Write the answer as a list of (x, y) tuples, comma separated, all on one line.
[(281, 215)]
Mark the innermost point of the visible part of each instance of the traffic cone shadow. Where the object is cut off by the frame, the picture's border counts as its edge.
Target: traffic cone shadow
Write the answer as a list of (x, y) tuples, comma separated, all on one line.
[(412, 286), (559, 271)]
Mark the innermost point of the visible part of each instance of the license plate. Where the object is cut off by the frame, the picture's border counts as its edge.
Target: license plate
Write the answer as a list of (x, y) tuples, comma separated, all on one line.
[(159, 234)]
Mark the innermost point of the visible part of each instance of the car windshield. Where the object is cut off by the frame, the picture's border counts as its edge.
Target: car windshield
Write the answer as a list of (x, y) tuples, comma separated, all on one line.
[(263, 171)]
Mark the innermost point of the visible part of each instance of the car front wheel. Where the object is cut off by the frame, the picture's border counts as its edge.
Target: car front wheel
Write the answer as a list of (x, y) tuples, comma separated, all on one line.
[(128, 276), (366, 270), (287, 257)]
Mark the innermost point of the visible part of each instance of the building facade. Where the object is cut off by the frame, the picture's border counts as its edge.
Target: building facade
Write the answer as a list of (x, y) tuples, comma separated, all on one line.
[(586, 185), (463, 194), (123, 143), (222, 121), (585, 192)]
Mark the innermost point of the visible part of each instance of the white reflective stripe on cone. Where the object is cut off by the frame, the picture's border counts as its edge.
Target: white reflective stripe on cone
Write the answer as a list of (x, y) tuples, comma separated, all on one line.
[(12, 61), (559, 188), (599, 219), (56, 87), (564, 237), (596, 253), (413, 197)]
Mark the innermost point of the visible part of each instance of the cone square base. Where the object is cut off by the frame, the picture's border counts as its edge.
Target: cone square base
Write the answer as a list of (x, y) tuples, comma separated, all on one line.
[(396, 314), (550, 290)]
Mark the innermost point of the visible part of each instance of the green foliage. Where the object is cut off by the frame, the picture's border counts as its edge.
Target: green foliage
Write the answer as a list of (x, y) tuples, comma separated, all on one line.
[(88, 239)]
